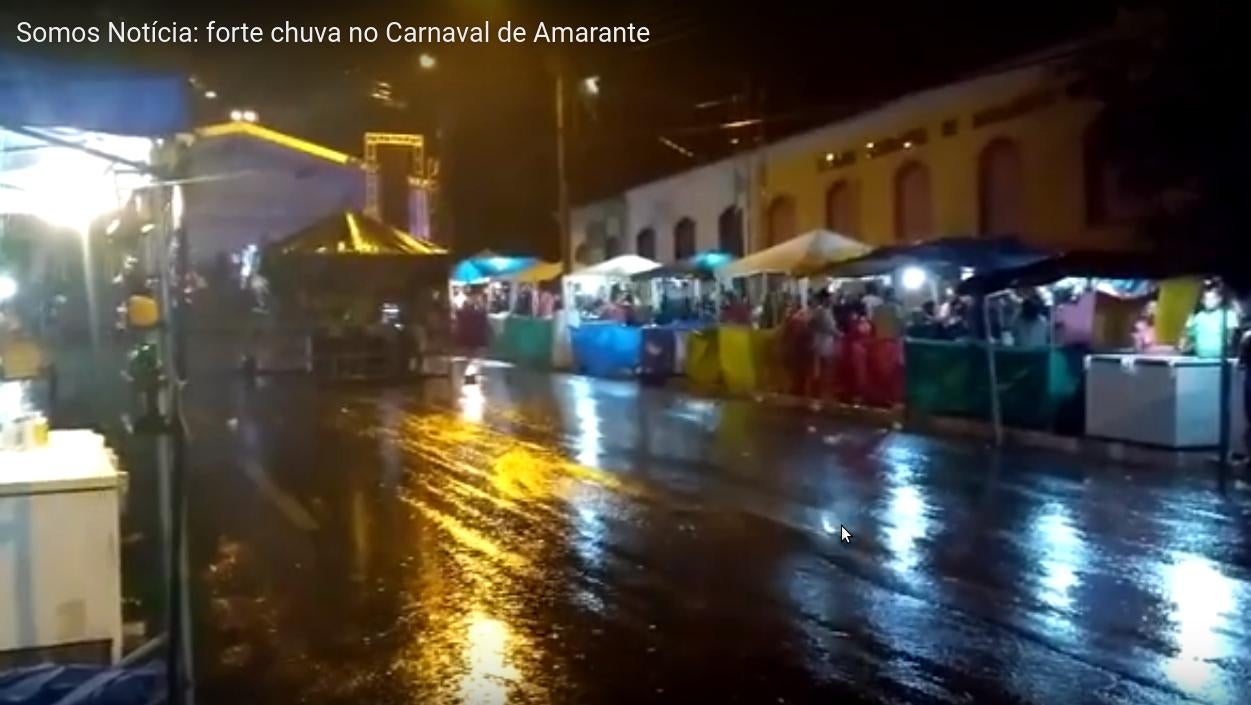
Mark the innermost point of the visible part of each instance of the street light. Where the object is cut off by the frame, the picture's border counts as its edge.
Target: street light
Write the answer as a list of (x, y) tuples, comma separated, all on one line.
[(8, 287), (590, 85), (426, 61)]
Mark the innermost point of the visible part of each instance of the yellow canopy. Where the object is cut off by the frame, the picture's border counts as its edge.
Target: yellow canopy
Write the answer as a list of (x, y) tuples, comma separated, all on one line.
[(540, 272)]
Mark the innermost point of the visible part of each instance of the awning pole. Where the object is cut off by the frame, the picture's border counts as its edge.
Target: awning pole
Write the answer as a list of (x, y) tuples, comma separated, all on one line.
[(1224, 396), (995, 413)]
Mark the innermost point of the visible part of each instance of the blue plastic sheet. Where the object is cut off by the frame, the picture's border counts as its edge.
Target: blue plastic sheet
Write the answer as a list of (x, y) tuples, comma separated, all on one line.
[(45, 685), (606, 349), (42, 93)]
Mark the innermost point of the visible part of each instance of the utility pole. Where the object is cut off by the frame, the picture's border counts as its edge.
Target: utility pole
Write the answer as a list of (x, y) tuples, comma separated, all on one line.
[(562, 185)]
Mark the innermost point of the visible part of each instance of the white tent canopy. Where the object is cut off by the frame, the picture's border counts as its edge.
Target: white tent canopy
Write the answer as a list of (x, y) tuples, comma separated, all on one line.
[(622, 266), (804, 252)]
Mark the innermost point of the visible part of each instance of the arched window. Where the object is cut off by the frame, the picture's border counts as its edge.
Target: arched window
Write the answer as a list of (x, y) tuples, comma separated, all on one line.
[(730, 231), (612, 247), (645, 243), (582, 254), (1106, 200), (683, 239), (781, 224), (914, 209), (840, 208), (1001, 188)]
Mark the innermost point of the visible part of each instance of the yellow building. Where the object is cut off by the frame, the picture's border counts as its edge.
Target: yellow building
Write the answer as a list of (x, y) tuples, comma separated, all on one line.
[(1004, 152)]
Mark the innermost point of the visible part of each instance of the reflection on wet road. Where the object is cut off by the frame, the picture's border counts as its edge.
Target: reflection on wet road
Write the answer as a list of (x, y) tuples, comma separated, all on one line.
[(558, 539)]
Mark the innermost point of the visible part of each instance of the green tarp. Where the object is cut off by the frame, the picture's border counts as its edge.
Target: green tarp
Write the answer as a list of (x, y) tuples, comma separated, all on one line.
[(524, 341), (1039, 388)]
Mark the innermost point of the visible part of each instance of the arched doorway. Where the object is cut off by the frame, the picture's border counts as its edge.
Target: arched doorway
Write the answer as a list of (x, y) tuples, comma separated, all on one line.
[(645, 243), (781, 224), (840, 208), (730, 231), (1001, 188), (914, 208), (683, 239)]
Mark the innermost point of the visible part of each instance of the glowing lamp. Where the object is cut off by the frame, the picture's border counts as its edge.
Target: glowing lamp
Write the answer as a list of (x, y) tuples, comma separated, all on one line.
[(913, 278), (8, 287)]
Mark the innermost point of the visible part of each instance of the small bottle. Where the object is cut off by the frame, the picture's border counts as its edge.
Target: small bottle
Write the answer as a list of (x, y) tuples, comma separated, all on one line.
[(40, 430)]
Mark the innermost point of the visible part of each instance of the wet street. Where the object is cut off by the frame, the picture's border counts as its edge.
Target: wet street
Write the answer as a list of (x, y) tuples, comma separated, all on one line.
[(557, 539)]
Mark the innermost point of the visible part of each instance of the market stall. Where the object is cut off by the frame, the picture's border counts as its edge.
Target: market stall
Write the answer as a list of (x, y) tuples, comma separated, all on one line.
[(78, 144), (606, 339), (682, 299), (917, 273), (481, 298), (755, 360), (1153, 386), (366, 295)]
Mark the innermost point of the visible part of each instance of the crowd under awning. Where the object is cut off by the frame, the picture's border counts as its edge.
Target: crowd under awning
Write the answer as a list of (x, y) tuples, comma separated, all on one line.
[(973, 252)]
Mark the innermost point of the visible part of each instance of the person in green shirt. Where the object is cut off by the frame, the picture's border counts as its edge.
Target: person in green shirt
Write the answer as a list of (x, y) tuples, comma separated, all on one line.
[(1202, 336)]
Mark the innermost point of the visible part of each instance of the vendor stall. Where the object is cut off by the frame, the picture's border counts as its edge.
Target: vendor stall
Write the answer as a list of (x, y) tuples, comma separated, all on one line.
[(1159, 394), (367, 295), (604, 341)]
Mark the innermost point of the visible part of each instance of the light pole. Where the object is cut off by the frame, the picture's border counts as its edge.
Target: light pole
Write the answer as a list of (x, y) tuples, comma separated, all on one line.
[(562, 180)]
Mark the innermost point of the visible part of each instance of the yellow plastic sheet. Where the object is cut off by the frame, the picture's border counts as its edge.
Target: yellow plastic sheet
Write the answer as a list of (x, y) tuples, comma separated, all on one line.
[(703, 362), (746, 358), (1177, 299)]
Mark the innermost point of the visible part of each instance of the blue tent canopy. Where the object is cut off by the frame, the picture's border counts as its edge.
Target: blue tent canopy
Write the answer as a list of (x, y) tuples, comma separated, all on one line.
[(700, 266), (41, 93), (489, 265), (976, 252)]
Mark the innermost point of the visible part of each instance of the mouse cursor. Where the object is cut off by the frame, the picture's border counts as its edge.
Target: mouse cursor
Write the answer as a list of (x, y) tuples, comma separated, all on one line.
[(844, 534)]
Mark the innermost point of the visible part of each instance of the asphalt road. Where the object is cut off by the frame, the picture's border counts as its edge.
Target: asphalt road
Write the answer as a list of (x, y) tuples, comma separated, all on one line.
[(557, 539)]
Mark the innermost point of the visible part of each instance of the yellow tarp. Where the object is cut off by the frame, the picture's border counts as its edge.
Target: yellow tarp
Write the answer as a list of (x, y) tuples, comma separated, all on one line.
[(747, 358), (703, 361), (1177, 299), (540, 272)]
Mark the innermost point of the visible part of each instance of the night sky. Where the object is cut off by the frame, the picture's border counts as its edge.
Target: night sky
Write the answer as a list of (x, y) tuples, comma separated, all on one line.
[(795, 64)]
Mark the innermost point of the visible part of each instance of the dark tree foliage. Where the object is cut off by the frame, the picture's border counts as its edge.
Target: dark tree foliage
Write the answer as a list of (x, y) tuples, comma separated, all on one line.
[(1175, 120)]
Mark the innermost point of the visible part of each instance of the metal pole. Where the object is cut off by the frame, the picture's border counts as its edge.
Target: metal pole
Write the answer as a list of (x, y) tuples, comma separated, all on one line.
[(995, 413), (562, 192), (1226, 379), (89, 286)]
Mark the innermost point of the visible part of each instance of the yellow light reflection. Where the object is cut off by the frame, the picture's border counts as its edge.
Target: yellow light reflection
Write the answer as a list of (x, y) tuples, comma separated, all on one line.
[(489, 675)]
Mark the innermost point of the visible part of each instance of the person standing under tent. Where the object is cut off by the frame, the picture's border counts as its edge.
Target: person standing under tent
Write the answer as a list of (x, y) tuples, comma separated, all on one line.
[(1202, 334)]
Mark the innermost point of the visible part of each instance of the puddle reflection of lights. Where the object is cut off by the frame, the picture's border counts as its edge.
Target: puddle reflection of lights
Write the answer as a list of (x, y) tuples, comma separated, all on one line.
[(1203, 600), (584, 406), (489, 674), (1061, 555), (472, 403), (906, 516)]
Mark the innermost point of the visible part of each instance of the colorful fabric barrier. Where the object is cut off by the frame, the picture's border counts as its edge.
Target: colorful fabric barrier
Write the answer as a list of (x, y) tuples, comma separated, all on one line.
[(606, 349), (525, 341), (664, 350), (750, 359), (703, 358), (1039, 388)]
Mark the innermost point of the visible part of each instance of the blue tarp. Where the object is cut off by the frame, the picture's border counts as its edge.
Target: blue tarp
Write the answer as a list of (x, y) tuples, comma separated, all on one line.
[(478, 268), (701, 266), (42, 93), (48, 684), (606, 349), (981, 253)]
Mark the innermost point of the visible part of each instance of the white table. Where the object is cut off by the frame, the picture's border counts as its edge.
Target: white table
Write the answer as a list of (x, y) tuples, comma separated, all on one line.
[(60, 561), (1160, 400)]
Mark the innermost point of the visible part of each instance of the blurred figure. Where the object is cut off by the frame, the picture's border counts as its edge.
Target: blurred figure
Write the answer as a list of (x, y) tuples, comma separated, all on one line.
[(1202, 336), (1029, 330), (925, 323), (887, 316), (824, 340), (1144, 329)]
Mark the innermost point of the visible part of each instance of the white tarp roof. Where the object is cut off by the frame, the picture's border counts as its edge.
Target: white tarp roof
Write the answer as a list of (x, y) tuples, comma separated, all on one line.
[(804, 252), (621, 266)]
